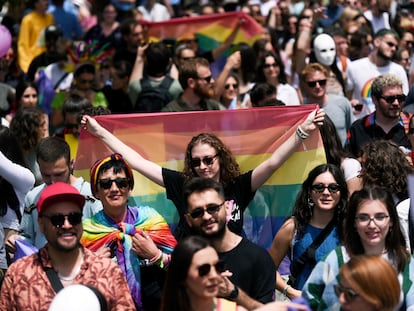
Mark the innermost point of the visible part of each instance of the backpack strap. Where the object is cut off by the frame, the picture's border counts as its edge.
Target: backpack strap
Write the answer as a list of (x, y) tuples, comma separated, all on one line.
[(308, 256), (166, 82)]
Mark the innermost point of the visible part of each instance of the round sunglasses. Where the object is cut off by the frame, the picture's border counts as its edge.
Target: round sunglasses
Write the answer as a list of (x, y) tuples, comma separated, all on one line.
[(205, 269)]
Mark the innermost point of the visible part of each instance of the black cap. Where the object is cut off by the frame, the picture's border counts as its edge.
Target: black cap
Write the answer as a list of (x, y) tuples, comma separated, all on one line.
[(53, 32)]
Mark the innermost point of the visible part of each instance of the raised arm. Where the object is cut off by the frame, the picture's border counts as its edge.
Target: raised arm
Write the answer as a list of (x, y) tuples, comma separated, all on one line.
[(262, 172), (147, 168)]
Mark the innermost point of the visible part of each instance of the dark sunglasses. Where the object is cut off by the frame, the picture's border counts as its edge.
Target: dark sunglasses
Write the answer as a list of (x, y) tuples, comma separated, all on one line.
[(205, 269), (391, 99), (235, 86), (390, 44), (196, 162), (84, 81), (58, 220), (187, 58), (332, 188), (207, 79), (266, 66), (349, 293), (313, 83), (120, 182), (211, 209)]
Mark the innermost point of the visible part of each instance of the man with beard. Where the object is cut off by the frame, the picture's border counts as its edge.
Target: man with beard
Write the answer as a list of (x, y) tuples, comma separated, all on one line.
[(387, 121), (363, 71), (251, 276), (33, 281), (198, 85)]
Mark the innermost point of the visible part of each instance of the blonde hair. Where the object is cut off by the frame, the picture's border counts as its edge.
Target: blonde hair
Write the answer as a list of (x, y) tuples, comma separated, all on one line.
[(374, 279)]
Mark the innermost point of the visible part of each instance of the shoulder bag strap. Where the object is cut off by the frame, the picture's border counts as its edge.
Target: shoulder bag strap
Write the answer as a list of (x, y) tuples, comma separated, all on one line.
[(52, 276), (309, 254)]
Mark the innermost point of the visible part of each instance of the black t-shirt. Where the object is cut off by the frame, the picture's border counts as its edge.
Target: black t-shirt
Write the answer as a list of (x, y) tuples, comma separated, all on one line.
[(253, 270), (240, 191)]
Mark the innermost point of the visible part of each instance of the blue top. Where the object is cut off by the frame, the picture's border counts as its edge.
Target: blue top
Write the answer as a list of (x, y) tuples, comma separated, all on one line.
[(300, 245)]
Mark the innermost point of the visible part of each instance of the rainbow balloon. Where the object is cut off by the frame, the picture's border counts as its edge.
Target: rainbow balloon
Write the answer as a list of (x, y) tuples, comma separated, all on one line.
[(251, 134)]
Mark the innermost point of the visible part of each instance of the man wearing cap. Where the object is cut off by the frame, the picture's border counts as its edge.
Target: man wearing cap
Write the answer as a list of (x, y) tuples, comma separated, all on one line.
[(53, 156), (138, 237), (32, 282)]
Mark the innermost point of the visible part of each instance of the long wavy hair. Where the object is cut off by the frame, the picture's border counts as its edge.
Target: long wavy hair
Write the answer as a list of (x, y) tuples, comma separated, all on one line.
[(303, 211), (394, 241), (260, 77), (229, 168), (175, 296), (10, 147), (385, 165)]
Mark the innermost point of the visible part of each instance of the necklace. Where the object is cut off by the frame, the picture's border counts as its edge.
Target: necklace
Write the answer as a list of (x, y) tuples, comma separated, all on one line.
[(73, 275)]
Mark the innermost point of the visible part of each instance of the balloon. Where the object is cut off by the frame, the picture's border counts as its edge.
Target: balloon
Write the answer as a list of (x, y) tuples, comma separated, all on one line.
[(76, 297), (5, 40)]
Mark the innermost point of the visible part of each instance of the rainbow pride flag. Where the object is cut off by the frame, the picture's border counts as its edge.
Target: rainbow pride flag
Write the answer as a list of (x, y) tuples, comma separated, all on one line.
[(210, 29), (251, 134)]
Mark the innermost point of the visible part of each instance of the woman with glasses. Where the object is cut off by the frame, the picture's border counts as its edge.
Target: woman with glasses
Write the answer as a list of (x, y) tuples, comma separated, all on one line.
[(271, 69), (361, 287), (207, 156), (371, 227), (386, 165), (229, 98), (317, 214)]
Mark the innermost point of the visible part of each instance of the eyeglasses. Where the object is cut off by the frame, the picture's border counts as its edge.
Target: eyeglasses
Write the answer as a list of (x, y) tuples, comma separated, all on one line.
[(196, 162), (211, 209), (266, 66), (379, 219), (349, 293), (187, 58), (85, 81), (58, 220), (391, 99), (312, 84), (205, 269), (235, 86), (106, 183), (332, 188), (207, 79), (390, 44)]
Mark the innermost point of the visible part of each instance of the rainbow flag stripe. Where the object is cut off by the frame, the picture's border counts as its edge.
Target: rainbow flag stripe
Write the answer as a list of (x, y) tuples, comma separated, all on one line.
[(251, 134)]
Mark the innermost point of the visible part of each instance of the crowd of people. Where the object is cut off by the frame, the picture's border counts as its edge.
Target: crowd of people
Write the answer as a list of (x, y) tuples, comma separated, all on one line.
[(69, 61)]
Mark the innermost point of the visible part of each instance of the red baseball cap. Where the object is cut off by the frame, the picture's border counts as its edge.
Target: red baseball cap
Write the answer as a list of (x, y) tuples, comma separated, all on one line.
[(59, 192)]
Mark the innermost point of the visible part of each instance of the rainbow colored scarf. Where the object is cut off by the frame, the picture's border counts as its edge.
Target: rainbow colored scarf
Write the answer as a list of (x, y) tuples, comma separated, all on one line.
[(100, 231)]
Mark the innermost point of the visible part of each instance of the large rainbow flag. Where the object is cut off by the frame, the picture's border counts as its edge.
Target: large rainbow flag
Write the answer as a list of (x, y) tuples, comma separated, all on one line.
[(251, 134)]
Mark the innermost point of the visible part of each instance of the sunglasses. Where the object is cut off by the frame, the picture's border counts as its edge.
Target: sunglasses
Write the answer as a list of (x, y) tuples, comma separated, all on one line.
[(391, 99), (84, 81), (196, 162), (349, 293), (312, 84), (390, 44), (58, 220), (378, 219), (205, 269), (266, 66), (332, 188), (235, 86), (187, 58), (107, 183), (211, 209), (207, 79)]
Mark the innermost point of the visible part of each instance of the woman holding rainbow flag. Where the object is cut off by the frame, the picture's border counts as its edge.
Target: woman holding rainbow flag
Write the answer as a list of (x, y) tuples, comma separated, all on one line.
[(207, 156)]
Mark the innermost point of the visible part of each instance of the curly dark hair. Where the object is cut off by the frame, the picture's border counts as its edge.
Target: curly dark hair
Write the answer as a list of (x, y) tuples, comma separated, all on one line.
[(394, 242), (302, 212), (385, 165), (229, 168), (26, 127)]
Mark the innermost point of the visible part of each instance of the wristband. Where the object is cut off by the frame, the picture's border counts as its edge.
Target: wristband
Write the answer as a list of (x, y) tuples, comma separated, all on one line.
[(285, 289), (156, 257), (301, 133)]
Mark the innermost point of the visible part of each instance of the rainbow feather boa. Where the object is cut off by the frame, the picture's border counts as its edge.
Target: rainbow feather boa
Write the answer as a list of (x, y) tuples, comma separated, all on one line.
[(100, 231)]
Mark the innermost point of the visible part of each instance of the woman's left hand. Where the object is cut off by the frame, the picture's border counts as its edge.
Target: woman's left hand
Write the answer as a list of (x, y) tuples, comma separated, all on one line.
[(313, 121), (143, 245)]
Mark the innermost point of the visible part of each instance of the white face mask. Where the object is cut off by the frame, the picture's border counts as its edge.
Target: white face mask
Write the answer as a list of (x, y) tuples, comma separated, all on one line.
[(324, 49)]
